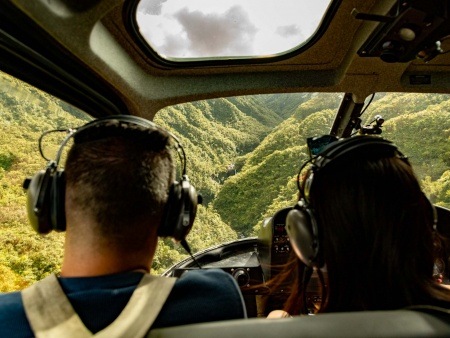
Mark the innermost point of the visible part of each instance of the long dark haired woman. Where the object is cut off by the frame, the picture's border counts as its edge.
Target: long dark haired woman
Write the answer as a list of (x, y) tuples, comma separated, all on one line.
[(363, 218)]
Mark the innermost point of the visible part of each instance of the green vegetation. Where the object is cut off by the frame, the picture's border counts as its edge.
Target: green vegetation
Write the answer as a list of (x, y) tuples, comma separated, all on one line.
[(243, 156), (245, 198)]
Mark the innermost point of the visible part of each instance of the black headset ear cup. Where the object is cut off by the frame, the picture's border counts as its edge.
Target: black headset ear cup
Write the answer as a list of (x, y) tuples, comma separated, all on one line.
[(180, 211), (38, 198), (302, 230), (45, 201)]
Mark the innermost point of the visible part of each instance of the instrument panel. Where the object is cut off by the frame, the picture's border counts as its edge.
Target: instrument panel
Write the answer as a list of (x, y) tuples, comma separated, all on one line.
[(252, 262)]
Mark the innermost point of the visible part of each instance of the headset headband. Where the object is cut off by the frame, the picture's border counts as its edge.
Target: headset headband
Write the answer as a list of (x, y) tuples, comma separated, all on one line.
[(342, 148), (110, 126)]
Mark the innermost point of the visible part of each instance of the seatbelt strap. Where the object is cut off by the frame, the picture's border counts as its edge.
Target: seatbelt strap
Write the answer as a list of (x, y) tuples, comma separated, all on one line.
[(51, 315)]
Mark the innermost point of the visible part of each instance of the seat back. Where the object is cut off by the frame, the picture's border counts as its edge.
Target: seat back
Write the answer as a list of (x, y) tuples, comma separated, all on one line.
[(398, 323)]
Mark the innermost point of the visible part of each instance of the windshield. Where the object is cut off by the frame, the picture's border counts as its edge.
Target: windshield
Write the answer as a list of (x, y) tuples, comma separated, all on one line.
[(243, 156), (248, 150)]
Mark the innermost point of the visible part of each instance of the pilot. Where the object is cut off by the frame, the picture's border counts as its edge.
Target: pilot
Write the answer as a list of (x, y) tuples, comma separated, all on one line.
[(116, 194), (363, 218)]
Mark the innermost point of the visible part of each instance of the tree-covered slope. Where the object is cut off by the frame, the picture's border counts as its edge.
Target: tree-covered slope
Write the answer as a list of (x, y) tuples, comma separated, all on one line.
[(422, 134), (291, 133), (395, 104), (423, 137), (283, 105), (25, 256), (244, 198), (215, 133)]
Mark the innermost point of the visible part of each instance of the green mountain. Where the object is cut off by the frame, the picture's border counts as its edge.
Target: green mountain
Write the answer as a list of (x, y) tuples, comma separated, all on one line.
[(267, 179), (218, 132), (275, 162)]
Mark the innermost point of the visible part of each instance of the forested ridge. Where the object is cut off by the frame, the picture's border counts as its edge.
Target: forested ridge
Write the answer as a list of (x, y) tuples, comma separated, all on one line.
[(243, 154), (418, 123)]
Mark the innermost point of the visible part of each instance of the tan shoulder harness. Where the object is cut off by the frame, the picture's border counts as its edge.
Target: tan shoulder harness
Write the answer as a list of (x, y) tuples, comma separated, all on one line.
[(51, 315)]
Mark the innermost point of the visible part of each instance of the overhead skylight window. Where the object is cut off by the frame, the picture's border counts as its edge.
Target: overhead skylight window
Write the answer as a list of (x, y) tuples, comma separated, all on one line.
[(188, 30)]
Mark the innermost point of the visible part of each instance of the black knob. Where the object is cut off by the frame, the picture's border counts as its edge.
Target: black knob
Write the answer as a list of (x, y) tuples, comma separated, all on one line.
[(241, 276)]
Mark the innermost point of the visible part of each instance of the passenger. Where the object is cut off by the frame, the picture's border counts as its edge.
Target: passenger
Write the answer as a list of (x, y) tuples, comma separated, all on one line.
[(364, 220), (118, 175)]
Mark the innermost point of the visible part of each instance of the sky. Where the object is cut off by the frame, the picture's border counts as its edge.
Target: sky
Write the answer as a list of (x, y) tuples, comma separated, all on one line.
[(227, 28)]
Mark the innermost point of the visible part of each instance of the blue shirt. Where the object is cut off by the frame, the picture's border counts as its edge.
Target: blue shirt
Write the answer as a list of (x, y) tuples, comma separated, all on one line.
[(197, 296)]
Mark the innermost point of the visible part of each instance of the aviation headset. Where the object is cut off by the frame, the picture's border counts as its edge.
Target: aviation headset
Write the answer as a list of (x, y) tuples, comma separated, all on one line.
[(301, 225), (46, 189)]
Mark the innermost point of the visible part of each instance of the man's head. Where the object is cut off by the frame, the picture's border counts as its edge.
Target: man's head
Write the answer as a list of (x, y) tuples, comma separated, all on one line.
[(116, 195), (119, 178), (120, 170)]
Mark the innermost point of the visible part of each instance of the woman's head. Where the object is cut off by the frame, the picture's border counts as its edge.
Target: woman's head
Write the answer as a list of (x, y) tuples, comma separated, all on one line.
[(374, 225)]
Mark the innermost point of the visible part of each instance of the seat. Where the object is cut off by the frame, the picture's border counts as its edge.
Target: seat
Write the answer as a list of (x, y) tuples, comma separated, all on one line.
[(396, 323)]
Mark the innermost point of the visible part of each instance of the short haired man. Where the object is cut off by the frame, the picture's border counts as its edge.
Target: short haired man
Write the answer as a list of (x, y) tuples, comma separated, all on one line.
[(118, 177)]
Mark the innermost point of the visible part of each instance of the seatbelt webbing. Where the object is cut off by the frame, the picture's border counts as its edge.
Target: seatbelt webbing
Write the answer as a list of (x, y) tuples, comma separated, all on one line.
[(141, 311), (51, 315), (49, 312)]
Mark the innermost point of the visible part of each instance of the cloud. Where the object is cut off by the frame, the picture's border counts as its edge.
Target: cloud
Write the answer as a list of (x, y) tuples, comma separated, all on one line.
[(286, 31), (152, 7), (230, 33), (175, 46)]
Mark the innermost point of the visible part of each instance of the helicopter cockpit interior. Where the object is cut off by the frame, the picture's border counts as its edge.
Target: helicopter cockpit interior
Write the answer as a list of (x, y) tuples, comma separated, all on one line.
[(248, 87)]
